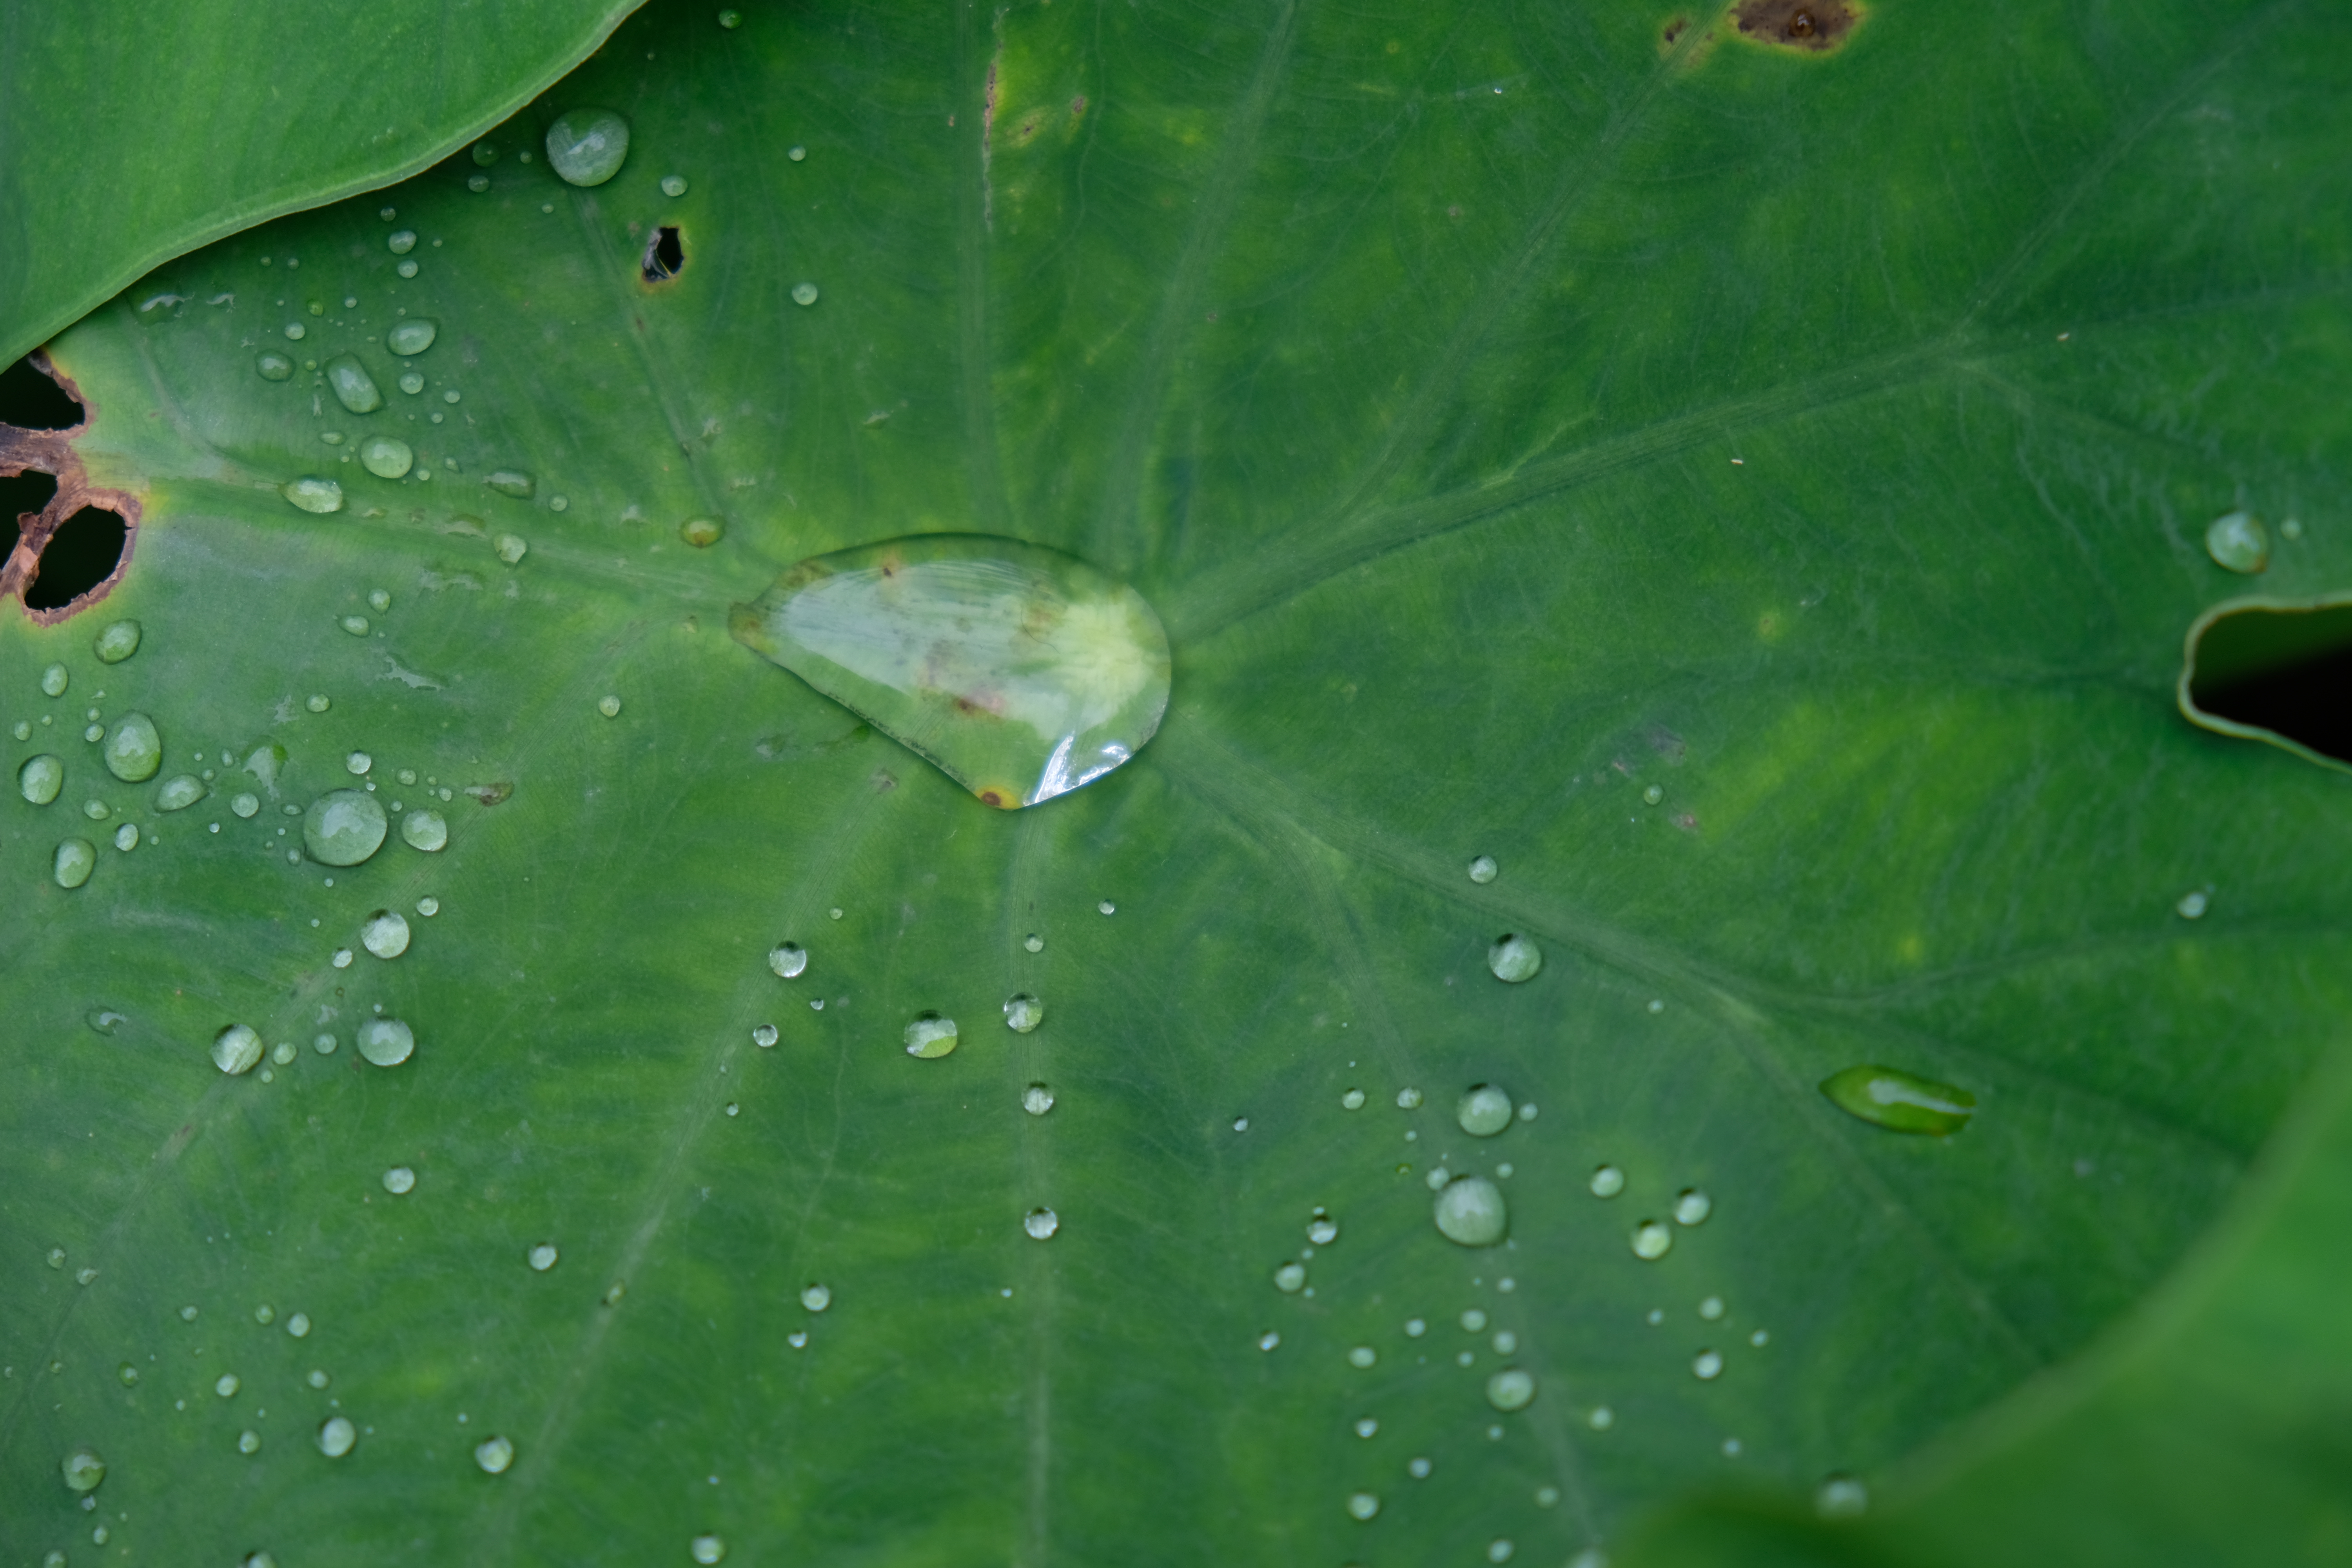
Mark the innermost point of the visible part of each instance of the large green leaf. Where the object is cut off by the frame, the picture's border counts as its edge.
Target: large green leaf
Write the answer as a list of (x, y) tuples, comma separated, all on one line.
[(1754, 494), (130, 133)]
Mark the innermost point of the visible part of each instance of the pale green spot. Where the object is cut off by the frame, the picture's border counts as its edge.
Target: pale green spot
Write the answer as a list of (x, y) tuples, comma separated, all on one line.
[(1900, 1102)]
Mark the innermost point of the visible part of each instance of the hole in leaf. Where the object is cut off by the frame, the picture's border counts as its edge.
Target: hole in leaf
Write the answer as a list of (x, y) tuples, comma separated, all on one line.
[(30, 400), (2275, 670), (22, 495), (82, 553), (665, 256)]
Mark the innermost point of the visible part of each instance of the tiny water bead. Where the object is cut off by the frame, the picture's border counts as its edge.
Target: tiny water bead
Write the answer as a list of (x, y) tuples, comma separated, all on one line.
[(83, 1469), (386, 933), (930, 1036), (296, 331), (1707, 1366), (424, 830), (406, 266), (494, 1454), (1711, 1309), (387, 458), (411, 335), (804, 293), (587, 146), (274, 366), (1041, 1223), (1366, 1427), (1651, 1240), (610, 707), (1415, 1326), (1514, 958), (1470, 1212), (336, 1436), (399, 1181), (1037, 1099), (1692, 1207), (1484, 1111), (236, 1049), (817, 1298), (1290, 1279), (1900, 1102), (789, 960), (1363, 1505), (1418, 1468), (763, 1036), (41, 777), (673, 184), (2192, 905), (707, 1549), (1024, 1012), (701, 533), (53, 681), (314, 494), (345, 826), (2238, 542), (386, 1042), (135, 752), (1483, 869), (354, 387), (1651, 795), (117, 642), (1601, 1418), (543, 1257), (1020, 672), (1510, 1389), (401, 241)]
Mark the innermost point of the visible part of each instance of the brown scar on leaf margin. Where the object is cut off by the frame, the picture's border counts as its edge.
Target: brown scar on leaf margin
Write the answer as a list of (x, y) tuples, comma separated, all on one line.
[(51, 452), (1815, 26)]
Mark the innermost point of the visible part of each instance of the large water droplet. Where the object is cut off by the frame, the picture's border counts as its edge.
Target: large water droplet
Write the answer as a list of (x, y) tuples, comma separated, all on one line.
[(494, 1454), (426, 830), (1470, 1211), (40, 778), (1652, 1239), (386, 934), (1484, 1111), (587, 147), (411, 335), (387, 458), (344, 826), (1900, 1102), (74, 860), (336, 1436), (1021, 672), (386, 1042), (1037, 1099), (1024, 1012), (236, 1049), (313, 494), (2238, 542), (354, 387), (117, 642), (1041, 1223), (1514, 958), (135, 752), (789, 960), (84, 1469), (930, 1036)]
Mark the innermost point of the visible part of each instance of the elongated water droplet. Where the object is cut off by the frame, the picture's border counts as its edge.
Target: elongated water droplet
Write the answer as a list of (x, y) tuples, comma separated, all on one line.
[(117, 642), (386, 457), (1041, 1223), (83, 1469), (1483, 868), (930, 1036), (386, 934), (313, 494), (226, 1385), (126, 837), (512, 482), (74, 861), (1037, 1099), (2238, 542), (1652, 1239), (1510, 1389), (1470, 1212), (1514, 958), (53, 681), (336, 1436), (179, 792), (40, 778), (587, 146), (236, 1049), (1021, 672), (1607, 1182), (1024, 1012), (789, 960), (345, 826), (1484, 1111), (426, 830), (135, 752), (411, 335), (354, 387), (386, 1042), (494, 1454), (1900, 1102)]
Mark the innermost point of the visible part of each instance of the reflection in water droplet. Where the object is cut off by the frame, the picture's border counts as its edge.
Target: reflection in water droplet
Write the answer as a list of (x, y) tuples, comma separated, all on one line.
[(2238, 542), (135, 752), (386, 1042), (1042, 1224), (1024, 1012), (1841, 1497), (344, 826), (542, 1256), (494, 1454), (817, 1298), (1470, 1212), (1483, 869), (1290, 1278), (313, 494), (789, 960), (1692, 1207), (426, 830), (399, 1180), (1037, 1099), (386, 934), (411, 335), (1514, 958), (236, 1049), (352, 386), (1653, 1240), (1363, 1505), (1021, 672), (586, 147), (1900, 1102), (117, 642), (1483, 1110), (336, 1436), (763, 1036), (386, 459), (1510, 1389), (930, 1036), (41, 777)]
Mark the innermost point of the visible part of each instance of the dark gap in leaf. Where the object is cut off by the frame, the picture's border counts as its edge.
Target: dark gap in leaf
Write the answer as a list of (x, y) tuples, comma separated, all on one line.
[(23, 495), (2276, 670), (82, 553), (30, 400), (665, 256)]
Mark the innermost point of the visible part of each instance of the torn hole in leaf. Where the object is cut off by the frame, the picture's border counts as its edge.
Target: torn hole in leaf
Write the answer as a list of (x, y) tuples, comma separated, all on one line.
[(31, 399), (22, 498), (85, 551), (665, 256), (2277, 671)]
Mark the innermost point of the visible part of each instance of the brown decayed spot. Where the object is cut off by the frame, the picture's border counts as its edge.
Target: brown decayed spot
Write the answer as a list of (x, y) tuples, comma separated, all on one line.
[(1816, 27), (1675, 28)]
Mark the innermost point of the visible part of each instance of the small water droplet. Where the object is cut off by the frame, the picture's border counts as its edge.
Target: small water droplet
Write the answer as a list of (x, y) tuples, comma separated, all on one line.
[(1707, 1366), (128, 1373), (1514, 958), (1352, 1100), (1470, 1212), (1510, 1389), (227, 1386), (1290, 1278), (1711, 1309), (763, 1036), (411, 383), (428, 906), (313, 494), (1653, 795), (797, 1338), (1483, 869), (494, 1454), (1505, 1342), (1601, 1419), (2238, 542), (236, 1049), (84, 1469), (1651, 1240), (411, 335), (1841, 1497), (386, 933), (405, 266), (1483, 1110), (1037, 1099), (673, 184), (707, 1549), (731, 19), (345, 826), (1760, 1339), (53, 681), (274, 366), (1322, 1230), (543, 1257), (587, 147), (1408, 1099), (1024, 1012), (248, 1441), (316, 1377), (804, 293), (296, 331), (1363, 1505), (1414, 1328), (477, 183), (117, 642), (1033, 942), (817, 1298), (1267, 1341), (511, 548), (400, 242), (930, 1036), (40, 779), (135, 752), (336, 1436), (2291, 529), (2192, 906), (1900, 1102), (354, 387), (386, 1042), (318, 702), (512, 482), (399, 1180), (1363, 1356), (386, 457), (1041, 1223), (1692, 1207)]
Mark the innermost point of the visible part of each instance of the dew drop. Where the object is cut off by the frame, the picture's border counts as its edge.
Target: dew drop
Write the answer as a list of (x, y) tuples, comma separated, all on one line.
[(411, 382), (345, 826), (336, 1436), (1033, 942), (316, 1377), (53, 681), (1352, 1100), (1290, 1279), (1483, 1110), (1024, 1012), (511, 548), (817, 1298), (1483, 869), (117, 642), (84, 1469), (1651, 1240), (763, 1036), (609, 706), (673, 184), (236, 1049), (313, 494), (41, 777), (400, 1179), (804, 293), (1692, 1207), (1601, 1419), (128, 1374), (1408, 1099), (354, 387), (1514, 958), (796, 154), (386, 934), (586, 147), (1499, 1550), (428, 906), (387, 458), (400, 242), (1414, 1328), (1653, 795), (512, 482), (1470, 1212), (1900, 1102), (731, 19), (424, 830), (135, 752), (411, 335), (1711, 1309), (930, 1036), (542, 1256), (274, 366), (1363, 1505), (1707, 1366), (386, 1042), (318, 701), (296, 331), (706, 1549), (406, 266), (2192, 905), (789, 960), (1041, 1223), (227, 1386), (1510, 1389), (1037, 1099), (494, 1454), (2238, 542), (477, 183), (1322, 1230), (701, 533)]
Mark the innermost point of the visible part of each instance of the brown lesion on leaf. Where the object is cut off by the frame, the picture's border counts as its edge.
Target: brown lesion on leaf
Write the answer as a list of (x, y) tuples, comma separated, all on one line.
[(51, 452), (1814, 27), (1672, 32)]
